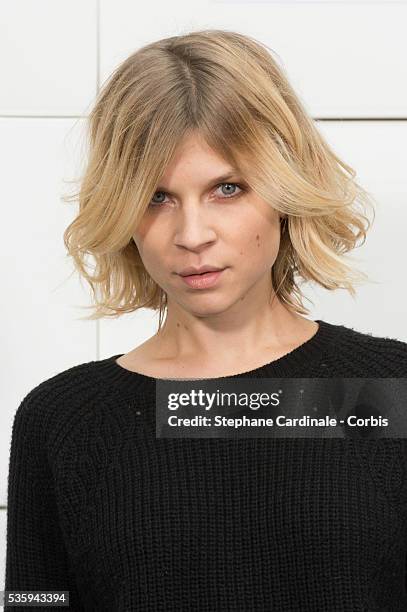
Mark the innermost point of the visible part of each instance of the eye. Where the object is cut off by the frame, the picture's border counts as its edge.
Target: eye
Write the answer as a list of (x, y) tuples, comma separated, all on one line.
[(228, 196), (157, 204), (231, 195)]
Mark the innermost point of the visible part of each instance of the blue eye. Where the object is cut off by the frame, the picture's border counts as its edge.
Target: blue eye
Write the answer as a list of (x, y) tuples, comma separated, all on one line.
[(234, 185), (225, 197), (157, 203)]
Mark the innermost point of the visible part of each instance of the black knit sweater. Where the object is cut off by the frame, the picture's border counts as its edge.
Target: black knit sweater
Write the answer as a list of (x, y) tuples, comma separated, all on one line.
[(100, 507)]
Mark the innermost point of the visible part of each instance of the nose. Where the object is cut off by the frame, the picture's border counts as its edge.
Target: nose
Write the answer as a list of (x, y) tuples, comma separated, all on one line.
[(194, 228)]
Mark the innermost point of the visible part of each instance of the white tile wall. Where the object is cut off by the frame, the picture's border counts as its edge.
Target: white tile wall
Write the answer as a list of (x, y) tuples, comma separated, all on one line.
[(47, 56), (345, 59), (42, 335)]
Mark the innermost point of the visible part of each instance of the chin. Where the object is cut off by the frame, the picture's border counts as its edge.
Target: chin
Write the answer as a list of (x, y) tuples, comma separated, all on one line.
[(207, 306)]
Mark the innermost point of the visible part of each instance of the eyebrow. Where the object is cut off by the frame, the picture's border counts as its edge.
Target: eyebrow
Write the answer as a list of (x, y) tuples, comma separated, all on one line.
[(219, 179)]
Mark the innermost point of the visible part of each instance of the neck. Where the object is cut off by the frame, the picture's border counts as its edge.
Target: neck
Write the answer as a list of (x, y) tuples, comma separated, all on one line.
[(221, 336)]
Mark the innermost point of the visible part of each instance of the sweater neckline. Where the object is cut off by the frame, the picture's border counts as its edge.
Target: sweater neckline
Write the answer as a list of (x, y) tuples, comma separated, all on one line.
[(287, 365)]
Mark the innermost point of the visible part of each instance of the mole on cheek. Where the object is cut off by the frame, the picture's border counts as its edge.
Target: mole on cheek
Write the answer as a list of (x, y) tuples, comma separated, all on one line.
[(258, 240)]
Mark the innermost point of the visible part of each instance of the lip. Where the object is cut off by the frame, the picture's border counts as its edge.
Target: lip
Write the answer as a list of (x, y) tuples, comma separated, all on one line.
[(192, 270), (203, 281)]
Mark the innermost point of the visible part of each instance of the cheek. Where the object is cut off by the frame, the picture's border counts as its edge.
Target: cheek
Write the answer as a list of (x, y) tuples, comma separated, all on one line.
[(256, 243), (146, 244), (261, 246), (137, 240)]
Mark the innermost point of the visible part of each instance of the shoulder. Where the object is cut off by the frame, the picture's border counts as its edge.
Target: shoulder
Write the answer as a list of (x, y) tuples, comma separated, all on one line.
[(378, 355), (53, 408), (62, 386)]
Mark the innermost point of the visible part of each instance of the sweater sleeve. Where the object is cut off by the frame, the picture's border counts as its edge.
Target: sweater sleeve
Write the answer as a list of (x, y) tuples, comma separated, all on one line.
[(36, 558)]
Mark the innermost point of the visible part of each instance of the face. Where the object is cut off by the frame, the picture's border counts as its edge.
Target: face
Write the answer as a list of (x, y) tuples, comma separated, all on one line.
[(198, 217)]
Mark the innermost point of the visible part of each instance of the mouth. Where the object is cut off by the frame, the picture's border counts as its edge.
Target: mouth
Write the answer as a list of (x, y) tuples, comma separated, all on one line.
[(204, 280), (199, 271)]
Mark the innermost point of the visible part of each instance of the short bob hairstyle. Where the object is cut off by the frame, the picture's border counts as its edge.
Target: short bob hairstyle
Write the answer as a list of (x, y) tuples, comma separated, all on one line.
[(227, 86)]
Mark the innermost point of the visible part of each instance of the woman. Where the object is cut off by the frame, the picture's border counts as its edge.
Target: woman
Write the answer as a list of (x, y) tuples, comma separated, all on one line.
[(202, 156)]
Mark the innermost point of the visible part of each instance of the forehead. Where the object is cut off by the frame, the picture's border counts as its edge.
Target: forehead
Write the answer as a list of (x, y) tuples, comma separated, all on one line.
[(193, 153)]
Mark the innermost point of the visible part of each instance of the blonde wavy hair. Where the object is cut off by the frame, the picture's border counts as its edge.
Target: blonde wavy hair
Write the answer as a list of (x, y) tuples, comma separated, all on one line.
[(229, 87)]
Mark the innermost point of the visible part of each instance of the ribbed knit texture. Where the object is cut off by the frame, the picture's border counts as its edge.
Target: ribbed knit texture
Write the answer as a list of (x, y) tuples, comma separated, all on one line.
[(99, 506)]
